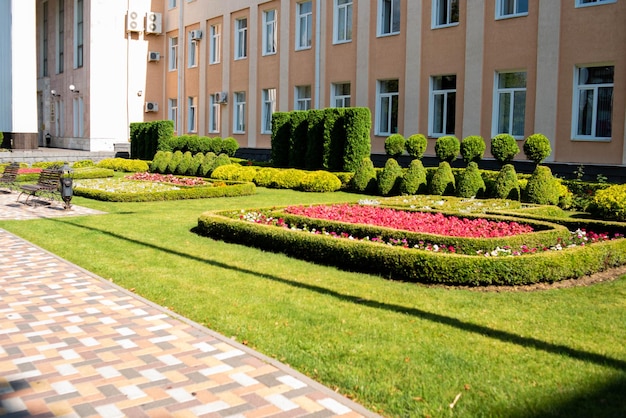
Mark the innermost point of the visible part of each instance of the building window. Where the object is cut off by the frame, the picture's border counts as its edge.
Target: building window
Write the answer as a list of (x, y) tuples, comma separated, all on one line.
[(388, 17), (593, 102), (511, 8), (44, 46), (192, 114), (171, 4), (442, 105), (239, 117), (304, 24), (582, 3), (445, 13), (173, 58), (214, 113), (241, 38), (193, 52), (78, 114), (510, 104), (387, 97), (216, 45), (61, 37), (172, 112), (269, 32), (340, 93), (342, 27), (303, 98), (267, 109), (78, 52)]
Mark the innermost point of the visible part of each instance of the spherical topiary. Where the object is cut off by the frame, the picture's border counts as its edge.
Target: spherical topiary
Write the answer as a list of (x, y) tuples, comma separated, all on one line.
[(414, 180), (320, 181), (394, 145), (507, 184), (537, 148), (542, 187), (471, 182), (473, 148), (416, 145), (230, 146), (443, 182), (504, 148), (207, 164), (364, 179), (389, 180), (447, 148)]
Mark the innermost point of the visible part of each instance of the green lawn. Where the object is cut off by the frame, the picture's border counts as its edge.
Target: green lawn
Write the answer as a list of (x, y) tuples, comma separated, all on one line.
[(400, 349)]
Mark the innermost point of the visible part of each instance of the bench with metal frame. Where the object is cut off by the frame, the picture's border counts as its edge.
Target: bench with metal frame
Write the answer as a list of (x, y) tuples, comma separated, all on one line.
[(9, 176), (47, 186)]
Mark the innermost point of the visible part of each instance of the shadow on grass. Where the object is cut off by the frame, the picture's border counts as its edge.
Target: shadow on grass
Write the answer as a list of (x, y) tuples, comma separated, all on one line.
[(503, 336)]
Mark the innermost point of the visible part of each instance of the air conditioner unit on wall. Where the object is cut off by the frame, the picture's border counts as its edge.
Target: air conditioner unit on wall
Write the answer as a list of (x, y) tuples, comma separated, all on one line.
[(196, 34), (154, 23), (154, 56), (134, 21), (152, 107), (221, 96)]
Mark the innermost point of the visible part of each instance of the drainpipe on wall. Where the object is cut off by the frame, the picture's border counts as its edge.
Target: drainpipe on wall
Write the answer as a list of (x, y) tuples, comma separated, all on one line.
[(180, 68), (318, 36)]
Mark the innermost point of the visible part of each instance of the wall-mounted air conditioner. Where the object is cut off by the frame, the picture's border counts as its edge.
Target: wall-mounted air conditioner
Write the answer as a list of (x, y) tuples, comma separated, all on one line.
[(221, 96), (154, 23), (152, 107), (196, 34), (154, 56), (134, 21)]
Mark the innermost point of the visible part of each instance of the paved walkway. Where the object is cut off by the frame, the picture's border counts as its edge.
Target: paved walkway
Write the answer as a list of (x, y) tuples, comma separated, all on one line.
[(75, 345)]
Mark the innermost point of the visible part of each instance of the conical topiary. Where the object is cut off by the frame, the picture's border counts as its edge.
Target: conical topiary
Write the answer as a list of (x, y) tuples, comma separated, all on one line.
[(389, 180), (414, 180), (364, 179), (542, 188), (506, 185), (471, 183), (443, 182)]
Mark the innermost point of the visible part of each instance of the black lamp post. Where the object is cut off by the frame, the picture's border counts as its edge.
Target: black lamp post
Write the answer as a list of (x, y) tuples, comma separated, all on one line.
[(67, 183)]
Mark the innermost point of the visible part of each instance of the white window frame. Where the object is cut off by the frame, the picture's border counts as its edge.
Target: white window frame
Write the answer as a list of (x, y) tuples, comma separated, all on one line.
[(239, 112), (342, 22), (445, 93), (302, 98), (172, 112), (215, 34), (384, 106), (582, 3), (241, 38), (215, 111), (338, 97), (511, 92), (268, 107), (391, 20), (192, 54), (192, 114), (448, 5), (304, 26), (594, 88), (172, 63), (515, 5), (270, 37)]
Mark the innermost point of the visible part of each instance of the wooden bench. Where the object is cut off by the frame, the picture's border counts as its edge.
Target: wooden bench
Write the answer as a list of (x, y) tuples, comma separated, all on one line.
[(48, 185), (9, 176)]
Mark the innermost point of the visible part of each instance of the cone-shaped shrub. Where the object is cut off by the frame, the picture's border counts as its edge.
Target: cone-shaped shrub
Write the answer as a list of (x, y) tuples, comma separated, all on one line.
[(389, 180), (416, 145), (177, 157), (160, 162), (504, 148), (414, 180), (364, 179), (207, 164), (394, 145), (473, 148), (184, 164), (506, 185), (195, 164), (471, 182), (542, 187), (443, 182), (447, 148), (221, 159), (537, 148)]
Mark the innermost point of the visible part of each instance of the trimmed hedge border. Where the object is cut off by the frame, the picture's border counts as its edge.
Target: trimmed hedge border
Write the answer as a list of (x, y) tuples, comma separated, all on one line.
[(413, 265)]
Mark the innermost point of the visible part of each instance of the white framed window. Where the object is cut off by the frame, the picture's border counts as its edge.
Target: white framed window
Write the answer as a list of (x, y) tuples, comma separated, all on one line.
[(388, 17), (340, 95), (239, 116), (304, 25), (192, 114), (215, 53), (442, 105), (511, 8), (78, 116), (192, 54), (584, 3), (387, 100), (172, 63), (241, 38), (593, 102), (214, 113), (269, 32), (172, 112), (171, 4), (78, 33), (268, 107), (445, 13), (510, 104), (342, 25), (302, 98)]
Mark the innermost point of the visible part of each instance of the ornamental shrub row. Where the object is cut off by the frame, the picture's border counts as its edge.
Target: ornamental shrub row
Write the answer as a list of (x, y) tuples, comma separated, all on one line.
[(167, 162), (200, 144), (123, 164)]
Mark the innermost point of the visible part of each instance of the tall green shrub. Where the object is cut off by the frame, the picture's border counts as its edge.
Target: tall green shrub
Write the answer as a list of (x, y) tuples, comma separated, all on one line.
[(443, 182), (507, 185), (394, 145), (334, 138), (447, 148), (537, 148), (364, 179), (473, 148), (414, 180), (471, 183), (146, 136), (357, 126), (542, 187), (504, 148), (416, 145), (281, 134), (299, 137), (390, 177), (315, 140)]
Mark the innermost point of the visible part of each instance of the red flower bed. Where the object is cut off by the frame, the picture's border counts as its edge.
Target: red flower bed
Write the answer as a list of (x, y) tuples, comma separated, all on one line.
[(169, 178), (424, 222)]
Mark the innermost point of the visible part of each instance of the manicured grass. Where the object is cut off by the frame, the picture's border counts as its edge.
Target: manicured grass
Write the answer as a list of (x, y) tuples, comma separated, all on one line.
[(400, 349)]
